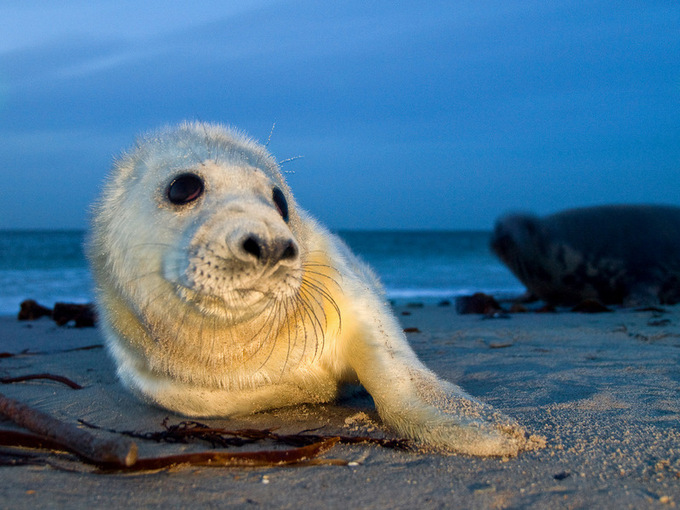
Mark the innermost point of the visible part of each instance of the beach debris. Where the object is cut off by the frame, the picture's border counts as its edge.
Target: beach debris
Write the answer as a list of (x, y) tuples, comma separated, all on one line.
[(303, 455), (478, 303), (58, 378), (496, 315), (28, 352), (30, 310), (658, 322), (655, 309), (83, 315), (188, 431), (14, 456), (499, 344), (591, 306), (482, 487), (518, 308), (264, 458), (120, 452), (490, 307)]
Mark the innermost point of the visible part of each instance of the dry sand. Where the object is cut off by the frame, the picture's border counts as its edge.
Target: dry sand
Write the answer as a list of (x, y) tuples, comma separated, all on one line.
[(603, 389)]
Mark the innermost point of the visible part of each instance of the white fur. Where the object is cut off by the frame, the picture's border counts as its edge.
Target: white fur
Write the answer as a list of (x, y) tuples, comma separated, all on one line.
[(199, 328)]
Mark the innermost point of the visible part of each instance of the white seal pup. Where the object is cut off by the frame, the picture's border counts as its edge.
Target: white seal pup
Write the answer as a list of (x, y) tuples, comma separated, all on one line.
[(219, 296)]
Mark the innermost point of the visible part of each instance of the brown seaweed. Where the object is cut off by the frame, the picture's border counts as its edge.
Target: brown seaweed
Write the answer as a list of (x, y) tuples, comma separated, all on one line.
[(186, 431), (58, 378)]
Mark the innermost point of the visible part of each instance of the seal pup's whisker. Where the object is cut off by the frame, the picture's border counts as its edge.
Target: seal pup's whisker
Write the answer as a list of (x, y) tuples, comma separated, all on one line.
[(299, 322), (314, 307), (271, 132), (220, 296), (288, 160), (311, 316), (322, 294), (260, 337), (273, 338), (283, 307), (320, 274)]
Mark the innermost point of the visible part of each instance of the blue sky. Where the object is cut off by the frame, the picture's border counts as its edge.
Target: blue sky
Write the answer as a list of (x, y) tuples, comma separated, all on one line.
[(438, 114)]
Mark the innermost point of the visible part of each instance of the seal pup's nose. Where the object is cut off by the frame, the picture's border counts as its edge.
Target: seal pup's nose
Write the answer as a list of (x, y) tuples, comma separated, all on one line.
[(269, 251)]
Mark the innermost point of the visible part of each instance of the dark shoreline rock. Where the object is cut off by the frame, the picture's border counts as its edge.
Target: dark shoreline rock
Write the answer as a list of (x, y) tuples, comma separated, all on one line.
[(84, 316)]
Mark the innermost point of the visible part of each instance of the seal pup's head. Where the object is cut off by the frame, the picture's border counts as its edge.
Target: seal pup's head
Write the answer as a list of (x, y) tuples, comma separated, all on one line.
[(205, 212)]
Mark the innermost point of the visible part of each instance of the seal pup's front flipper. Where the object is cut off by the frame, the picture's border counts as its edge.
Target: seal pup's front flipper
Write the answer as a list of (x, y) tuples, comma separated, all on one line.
[(415, 402), (409, 397)]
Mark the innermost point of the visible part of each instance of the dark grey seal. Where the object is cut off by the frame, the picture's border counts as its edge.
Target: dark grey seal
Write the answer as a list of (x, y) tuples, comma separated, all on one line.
[(617, 254)]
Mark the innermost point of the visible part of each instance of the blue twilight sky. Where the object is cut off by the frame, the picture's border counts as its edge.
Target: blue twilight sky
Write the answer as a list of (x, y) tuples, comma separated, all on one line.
[(432, 114)]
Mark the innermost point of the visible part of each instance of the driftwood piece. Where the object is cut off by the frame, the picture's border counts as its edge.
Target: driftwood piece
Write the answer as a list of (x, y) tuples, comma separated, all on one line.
[(118, 453)]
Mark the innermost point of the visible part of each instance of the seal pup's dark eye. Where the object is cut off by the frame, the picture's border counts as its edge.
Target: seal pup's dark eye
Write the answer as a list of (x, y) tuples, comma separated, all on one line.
[(185, 188), (280, 203)]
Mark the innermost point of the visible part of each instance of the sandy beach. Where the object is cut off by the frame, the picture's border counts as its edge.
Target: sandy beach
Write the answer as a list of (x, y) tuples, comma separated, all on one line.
[(601, 388)]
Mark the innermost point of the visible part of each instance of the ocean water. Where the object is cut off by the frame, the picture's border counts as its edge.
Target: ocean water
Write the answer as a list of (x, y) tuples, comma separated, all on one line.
[(50, 266)]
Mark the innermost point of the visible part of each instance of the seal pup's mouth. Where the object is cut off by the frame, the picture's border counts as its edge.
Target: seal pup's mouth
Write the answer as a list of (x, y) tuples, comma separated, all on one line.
[(239, 280)]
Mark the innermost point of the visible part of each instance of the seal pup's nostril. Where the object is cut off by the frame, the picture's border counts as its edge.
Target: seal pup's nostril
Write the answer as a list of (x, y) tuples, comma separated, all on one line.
[(253, 246), (289, 251)]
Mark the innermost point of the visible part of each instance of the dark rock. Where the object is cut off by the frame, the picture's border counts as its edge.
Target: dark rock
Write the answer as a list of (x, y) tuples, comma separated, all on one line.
[(478, 303), (83, 315), (518, 308), (590, 306), (31, 310)]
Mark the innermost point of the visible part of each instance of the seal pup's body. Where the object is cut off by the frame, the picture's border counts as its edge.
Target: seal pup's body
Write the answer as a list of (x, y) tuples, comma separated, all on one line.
[(219, 297), (618, 254)]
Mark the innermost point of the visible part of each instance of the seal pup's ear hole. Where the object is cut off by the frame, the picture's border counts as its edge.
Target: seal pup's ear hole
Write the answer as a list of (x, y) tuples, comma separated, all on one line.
[(280, 203), (185, 188)]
